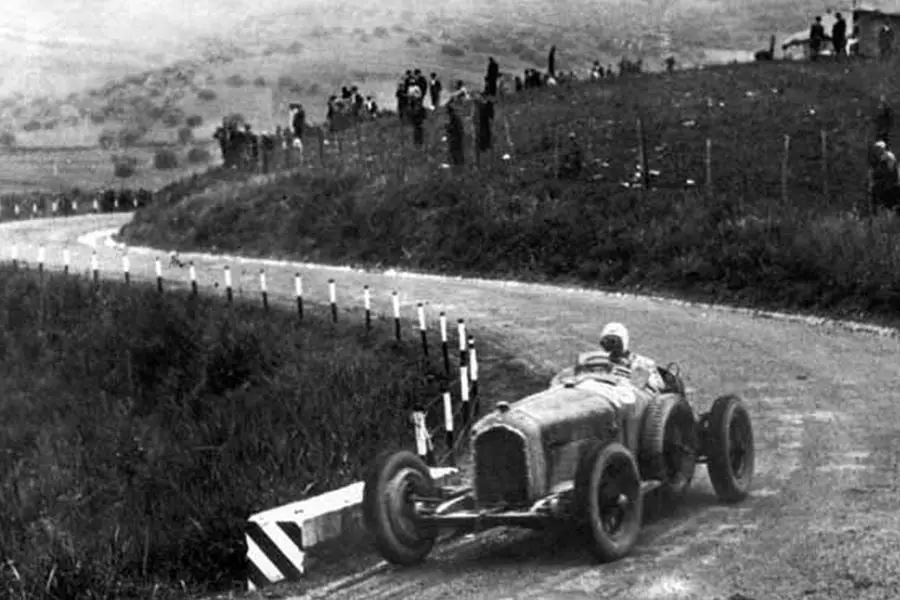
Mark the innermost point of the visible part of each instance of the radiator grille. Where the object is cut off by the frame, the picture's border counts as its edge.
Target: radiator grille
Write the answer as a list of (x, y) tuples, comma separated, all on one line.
[(501, 469)]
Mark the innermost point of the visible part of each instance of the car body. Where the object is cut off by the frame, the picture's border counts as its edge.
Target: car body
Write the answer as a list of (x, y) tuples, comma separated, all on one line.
[(586, 449)]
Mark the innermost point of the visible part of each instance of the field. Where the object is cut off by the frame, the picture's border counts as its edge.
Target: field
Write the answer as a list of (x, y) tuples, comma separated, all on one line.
[(73, 71), (141, 430), (745, 239)]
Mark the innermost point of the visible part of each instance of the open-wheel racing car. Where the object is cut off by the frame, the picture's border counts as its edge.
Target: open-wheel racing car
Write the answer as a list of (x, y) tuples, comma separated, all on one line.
[(585, 450)]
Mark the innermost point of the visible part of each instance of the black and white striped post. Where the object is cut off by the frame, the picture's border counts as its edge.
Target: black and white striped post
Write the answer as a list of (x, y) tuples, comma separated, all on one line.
[(74, 205), (396, 302), (473, 376), (14, 254), (95, 267), (424, 447), (17, 211), (116, 204), (448, 419), (463, 371), (54, 206), (34, 210), (229, 292), (67, 260), (423, 329), (192, 271), (96, 205), (159, 277), (126, 268), (298, 292), (445, 345), (367, 304), (332, 300), (42, 256), (264, 289)]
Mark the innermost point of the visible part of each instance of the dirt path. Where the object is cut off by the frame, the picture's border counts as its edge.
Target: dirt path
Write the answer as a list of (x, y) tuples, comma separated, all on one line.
[(824, 519)]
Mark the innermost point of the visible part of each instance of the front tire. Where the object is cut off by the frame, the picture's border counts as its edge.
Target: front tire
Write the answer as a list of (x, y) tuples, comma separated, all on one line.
[(389, 512), (730, 454), (669, 444), (608, 494)]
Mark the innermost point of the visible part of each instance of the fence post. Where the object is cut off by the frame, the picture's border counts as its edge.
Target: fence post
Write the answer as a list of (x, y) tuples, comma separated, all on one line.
[(423, 330), (445, 346), (41, 258), (473, 375), (448, 421), (825, 186), (126, 268), (332, 299), (193, 274), (15, 256), (159, 279), (463, 371), (264, 289), (642, 153), (95, 267), (229, 293), (298, 292), (396, 302), (708, 162), (67, 260), (367, 304)]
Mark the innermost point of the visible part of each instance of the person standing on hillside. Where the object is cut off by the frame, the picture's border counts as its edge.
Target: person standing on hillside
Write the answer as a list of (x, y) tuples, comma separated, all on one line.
[(455, 138), (434, 90), (816, 37), (883, 120), (490, 80), (551, 61), (883, 178), (839, 36), (885, 42)]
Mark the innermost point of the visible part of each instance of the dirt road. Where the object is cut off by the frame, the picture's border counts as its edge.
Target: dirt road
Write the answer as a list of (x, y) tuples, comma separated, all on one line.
[(824, 519)]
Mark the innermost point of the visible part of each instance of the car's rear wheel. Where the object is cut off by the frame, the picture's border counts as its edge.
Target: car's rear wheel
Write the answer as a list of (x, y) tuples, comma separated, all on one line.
[(608, 495), (669, 444), (389, 509), (730, 451)]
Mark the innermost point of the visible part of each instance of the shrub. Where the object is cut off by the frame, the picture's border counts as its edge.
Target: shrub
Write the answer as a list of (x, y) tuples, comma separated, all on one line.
[(412, 42), (185, 135), (260, 81), (295, 48), (32, 125), (380, 32), (198, 155), (286, 81), (131, 134), (173, 117), (451, 50), (124, 166), (207, 95), (164, 159), (8, 139), (194, 121), (235, 80), (50, 125)]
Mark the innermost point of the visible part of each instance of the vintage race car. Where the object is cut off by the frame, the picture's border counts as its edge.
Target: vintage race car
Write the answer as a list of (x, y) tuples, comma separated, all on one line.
[(585, 450)]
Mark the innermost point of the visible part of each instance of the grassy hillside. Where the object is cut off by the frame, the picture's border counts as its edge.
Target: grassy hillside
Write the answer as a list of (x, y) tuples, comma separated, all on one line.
[(743, 242), (140, 431), (70, 71)]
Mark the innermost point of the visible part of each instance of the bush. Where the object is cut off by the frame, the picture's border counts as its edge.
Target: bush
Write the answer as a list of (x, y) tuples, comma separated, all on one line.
[(380, 32), (260, 81), (207, 95), (412, 42), (131, 134), (32, 125), (235, 81), (50, 125), (8, 139), (198, 155), (451, 50), (173, 117), (185, 135), (141, 429), (194, 121), (286, 81), (124, 166), (164, 159)]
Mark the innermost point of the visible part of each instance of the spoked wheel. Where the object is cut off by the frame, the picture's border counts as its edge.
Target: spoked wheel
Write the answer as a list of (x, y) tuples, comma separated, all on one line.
[(669, 444), (389, 508), (731, 453), (608, 492)]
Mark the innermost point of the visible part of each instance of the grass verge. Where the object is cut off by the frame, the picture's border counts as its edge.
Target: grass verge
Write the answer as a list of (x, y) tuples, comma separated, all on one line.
[(140, 430), (740, 242)]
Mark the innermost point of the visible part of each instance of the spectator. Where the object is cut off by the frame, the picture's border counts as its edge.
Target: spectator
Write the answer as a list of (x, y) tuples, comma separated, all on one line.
[(839, 35), (434, 89), (816, 37)]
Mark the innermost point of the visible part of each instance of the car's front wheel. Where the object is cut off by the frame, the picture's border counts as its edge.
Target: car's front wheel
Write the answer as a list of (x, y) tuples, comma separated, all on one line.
[(730, 451), (608, 494), (389, 509)]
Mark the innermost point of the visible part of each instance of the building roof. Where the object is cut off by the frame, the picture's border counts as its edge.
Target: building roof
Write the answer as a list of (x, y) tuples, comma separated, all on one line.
[(891, 7)]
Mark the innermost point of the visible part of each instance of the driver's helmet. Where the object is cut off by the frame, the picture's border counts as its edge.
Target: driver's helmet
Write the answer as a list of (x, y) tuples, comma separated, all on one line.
[(614, 339)]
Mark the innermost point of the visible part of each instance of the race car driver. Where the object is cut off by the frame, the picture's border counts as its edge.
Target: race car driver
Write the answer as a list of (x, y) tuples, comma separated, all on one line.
[(614, 339)]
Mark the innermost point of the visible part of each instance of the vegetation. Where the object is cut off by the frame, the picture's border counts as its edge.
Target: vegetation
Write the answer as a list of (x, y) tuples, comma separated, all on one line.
[(739, 242), (165, 159), (141, 429)]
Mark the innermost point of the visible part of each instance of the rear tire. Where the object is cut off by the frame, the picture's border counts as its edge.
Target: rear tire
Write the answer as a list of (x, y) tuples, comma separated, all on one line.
[(668, 445), (608, 496), (730, 454), (388, 512)]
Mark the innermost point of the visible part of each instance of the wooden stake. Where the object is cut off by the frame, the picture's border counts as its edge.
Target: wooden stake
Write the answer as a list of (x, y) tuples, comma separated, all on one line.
[(785, 163)]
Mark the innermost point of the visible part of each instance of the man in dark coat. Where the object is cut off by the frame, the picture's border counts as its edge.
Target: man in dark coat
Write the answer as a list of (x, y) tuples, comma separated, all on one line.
[(434, 89), (839, 35), (551, 61), (816, 38), (417, 116), (484, 110), (493, 75), (298, 120)]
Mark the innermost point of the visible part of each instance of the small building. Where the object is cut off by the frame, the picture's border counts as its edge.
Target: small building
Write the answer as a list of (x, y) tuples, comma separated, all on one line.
[(869, 20), (796, 45)]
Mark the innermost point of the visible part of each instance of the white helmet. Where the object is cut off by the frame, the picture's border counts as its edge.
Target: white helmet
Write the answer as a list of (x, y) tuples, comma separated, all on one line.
[(617, 332)]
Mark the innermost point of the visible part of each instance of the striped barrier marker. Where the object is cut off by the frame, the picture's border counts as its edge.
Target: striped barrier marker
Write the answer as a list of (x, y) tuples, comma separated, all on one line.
[(463, 370), (96, 205), (126, 268), (95, 267), (159, 276), (275, 552), (298, 292), (396, 301), (42, 255), (473, 376), (74, 206), (116, 204), (34, 210), (332, 299), (445, 346), (367, 304), (423, 329), (193, 275), (229, 293), (17, 210), (67, 260), (264, 289), (448, 418), (14, 254), (54, 207)]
